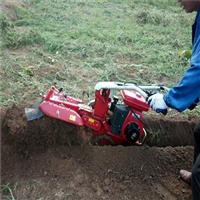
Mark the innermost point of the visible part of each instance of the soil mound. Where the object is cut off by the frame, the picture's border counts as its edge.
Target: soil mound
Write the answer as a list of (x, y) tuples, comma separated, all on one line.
[(50, 159)]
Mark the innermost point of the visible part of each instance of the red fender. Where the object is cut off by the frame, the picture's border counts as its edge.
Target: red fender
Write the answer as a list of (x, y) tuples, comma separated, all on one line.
[(60, 112)]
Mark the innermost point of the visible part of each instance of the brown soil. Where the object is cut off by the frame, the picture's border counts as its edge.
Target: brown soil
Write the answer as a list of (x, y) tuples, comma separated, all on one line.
[(49, 159)]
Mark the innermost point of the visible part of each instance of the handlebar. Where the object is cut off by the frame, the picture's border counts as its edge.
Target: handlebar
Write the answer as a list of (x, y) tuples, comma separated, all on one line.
[(145, 91), (142, 90)]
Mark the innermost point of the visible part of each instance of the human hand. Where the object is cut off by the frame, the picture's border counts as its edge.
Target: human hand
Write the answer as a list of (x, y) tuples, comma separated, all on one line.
[(157, 103)]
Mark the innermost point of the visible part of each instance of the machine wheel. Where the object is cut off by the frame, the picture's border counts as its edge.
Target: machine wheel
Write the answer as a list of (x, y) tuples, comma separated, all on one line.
[(102, 140)]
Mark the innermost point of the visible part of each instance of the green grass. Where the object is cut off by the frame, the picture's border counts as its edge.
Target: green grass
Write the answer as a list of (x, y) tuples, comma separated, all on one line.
[(7, 191), (75, 44)]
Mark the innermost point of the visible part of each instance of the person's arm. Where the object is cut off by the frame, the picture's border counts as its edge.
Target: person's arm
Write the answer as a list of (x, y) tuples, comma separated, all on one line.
[(187, 91), (180, 97)]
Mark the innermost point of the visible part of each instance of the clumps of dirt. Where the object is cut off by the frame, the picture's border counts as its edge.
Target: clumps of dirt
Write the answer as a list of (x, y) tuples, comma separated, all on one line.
[(37, 135), (172, 131), (50, 159), (93, 172)]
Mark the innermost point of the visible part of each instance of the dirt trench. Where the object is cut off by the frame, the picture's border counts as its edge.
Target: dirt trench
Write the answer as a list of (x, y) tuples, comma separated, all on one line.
[(50, 159)]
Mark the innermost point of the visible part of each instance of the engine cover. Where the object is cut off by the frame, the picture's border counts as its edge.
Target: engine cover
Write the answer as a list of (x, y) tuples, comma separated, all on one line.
[(132, 132), (134, 100)]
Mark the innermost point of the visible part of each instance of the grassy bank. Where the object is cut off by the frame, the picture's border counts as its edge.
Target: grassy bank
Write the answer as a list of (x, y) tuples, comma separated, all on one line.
[(75, 44)]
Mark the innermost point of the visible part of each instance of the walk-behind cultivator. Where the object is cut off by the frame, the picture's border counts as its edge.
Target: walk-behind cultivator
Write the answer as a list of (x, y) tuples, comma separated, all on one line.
[(113, 120)]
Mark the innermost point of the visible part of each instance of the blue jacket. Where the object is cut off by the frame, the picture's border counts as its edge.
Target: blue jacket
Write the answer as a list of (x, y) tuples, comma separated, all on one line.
[(181, 96)]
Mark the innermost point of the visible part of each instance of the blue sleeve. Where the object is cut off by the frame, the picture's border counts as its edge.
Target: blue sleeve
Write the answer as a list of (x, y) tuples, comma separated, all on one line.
[(181, 96)]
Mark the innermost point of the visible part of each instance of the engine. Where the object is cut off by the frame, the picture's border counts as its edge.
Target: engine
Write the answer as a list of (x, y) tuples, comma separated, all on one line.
[(126, 123), (132, 132)]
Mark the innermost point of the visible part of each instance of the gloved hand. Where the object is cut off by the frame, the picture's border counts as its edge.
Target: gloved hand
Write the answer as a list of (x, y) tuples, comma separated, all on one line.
[(157, 103)]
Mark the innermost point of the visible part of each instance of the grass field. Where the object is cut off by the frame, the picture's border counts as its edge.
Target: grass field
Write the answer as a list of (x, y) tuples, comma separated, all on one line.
[(75, 44)]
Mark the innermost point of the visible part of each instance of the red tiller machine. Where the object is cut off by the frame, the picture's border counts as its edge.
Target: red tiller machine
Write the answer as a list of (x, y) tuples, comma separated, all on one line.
[(113, 120)]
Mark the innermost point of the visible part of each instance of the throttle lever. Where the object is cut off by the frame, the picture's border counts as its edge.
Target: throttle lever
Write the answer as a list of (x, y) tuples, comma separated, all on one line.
[(60, 90)]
